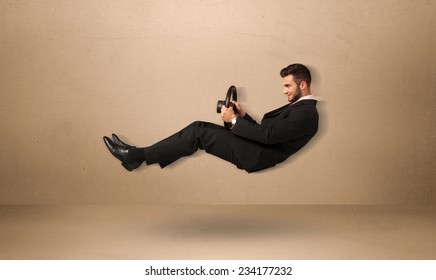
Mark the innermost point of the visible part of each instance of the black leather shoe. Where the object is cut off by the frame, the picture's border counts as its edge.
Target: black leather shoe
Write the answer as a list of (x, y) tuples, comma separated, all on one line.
[(121, 153), (119, 142)]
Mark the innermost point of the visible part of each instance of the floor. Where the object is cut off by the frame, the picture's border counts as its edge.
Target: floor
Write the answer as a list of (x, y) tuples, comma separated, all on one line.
[(301, 232)]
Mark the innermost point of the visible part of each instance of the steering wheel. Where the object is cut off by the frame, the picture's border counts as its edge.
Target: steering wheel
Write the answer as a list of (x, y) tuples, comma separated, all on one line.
[(231, 95)]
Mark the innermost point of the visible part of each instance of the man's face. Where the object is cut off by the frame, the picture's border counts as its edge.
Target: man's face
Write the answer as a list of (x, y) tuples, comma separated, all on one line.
[(291, 88)]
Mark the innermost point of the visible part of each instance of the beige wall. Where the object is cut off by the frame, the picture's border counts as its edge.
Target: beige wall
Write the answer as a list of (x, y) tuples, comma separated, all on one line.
[(73, 71)]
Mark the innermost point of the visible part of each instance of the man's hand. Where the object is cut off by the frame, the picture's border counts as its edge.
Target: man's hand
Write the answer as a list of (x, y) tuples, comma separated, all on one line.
[(239, 109), (227, 114)]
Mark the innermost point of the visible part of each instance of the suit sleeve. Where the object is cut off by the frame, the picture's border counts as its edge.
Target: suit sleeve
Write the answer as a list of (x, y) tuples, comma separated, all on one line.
[(248, 118), (293, 126)]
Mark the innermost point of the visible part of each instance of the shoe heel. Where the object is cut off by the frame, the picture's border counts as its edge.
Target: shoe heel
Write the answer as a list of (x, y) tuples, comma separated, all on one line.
[(127, 166), (130, 165)]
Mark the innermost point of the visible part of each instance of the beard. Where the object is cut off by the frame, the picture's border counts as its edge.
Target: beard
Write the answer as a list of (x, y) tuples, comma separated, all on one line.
[(297, 95)]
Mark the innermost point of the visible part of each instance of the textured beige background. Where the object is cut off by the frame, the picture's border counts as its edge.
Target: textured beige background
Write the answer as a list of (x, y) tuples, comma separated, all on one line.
[(73, 71)]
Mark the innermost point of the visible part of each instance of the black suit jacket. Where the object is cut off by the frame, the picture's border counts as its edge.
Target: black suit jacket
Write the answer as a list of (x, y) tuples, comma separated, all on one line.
[(281, 133)]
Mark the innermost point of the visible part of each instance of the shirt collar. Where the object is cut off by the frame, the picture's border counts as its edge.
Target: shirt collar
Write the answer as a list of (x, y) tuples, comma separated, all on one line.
[(310, 96)]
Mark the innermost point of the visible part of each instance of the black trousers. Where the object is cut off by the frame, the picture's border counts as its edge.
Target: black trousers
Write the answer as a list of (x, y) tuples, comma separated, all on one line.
[(215, 140), (198, 135)]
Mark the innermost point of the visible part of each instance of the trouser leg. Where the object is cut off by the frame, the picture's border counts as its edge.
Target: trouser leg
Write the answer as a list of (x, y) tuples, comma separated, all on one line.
[(212, 138)]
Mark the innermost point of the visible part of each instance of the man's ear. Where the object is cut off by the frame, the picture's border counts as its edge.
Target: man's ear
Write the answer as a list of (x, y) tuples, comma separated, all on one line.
[(303, 85)]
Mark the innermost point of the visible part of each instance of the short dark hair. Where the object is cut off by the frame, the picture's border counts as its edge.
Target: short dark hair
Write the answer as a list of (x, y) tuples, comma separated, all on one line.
[(299, 71)]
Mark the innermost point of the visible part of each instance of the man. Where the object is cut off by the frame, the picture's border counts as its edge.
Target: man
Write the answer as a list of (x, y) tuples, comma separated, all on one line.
[(248, 145)]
